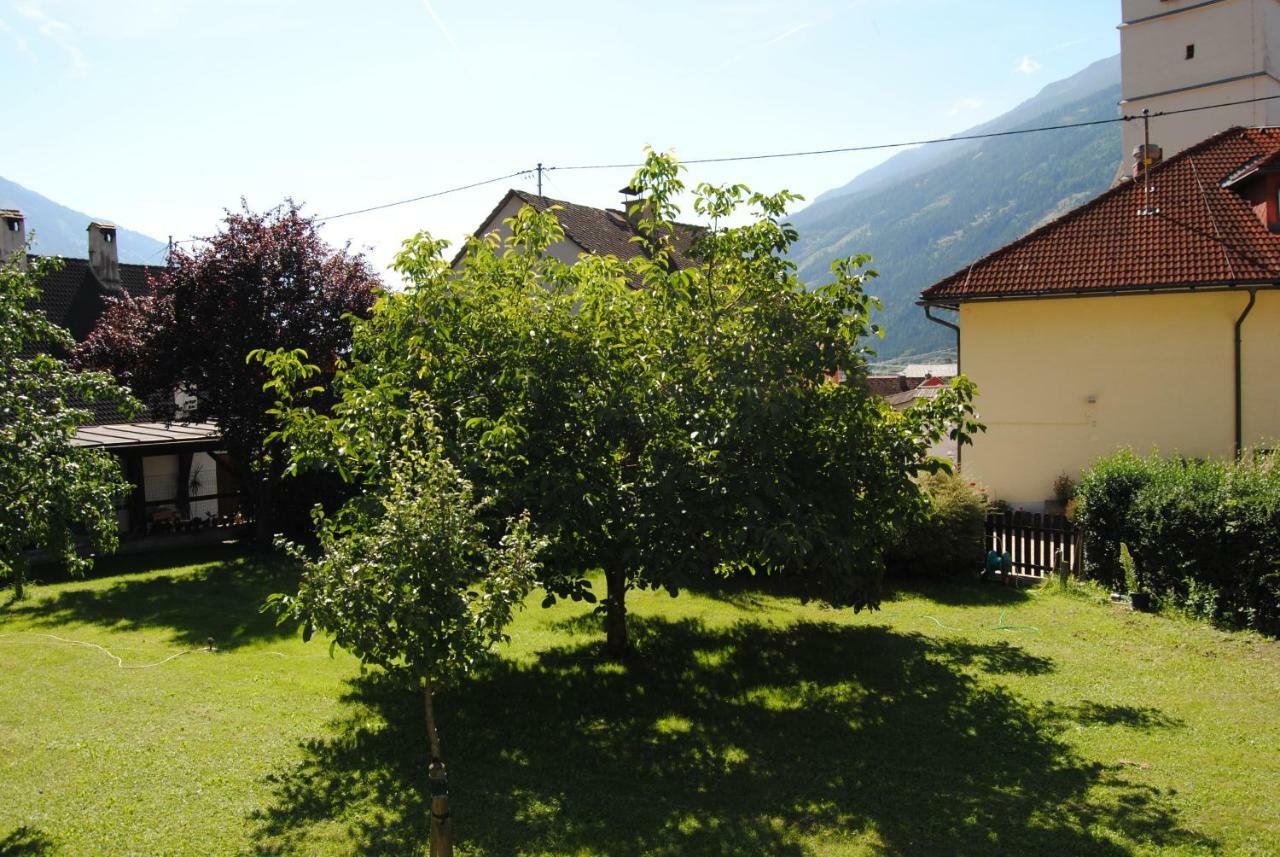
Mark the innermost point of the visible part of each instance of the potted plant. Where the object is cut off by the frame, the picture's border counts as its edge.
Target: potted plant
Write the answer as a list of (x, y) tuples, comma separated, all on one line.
[(1064, 492), (1139, 598)]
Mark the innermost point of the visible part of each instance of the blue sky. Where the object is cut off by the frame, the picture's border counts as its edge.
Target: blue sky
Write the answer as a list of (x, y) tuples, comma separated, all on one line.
[(160, 113)]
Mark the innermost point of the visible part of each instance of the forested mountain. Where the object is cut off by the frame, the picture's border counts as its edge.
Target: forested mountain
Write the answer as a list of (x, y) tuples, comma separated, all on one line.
[(60, 231), (930, 211)]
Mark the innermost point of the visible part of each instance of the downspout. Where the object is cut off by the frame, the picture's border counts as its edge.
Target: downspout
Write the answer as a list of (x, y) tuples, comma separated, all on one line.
[(1253, 297), (928, 313)]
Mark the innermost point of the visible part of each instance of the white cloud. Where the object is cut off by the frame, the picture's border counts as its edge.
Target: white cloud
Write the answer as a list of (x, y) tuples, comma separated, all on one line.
[(772, 40), (448, 37), (1027, 66), (788, 33), (1071, 44), (56, 31), (964, 105)]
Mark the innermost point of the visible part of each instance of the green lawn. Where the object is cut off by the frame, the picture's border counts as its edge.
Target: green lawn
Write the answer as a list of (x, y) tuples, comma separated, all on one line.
[(957, 720)]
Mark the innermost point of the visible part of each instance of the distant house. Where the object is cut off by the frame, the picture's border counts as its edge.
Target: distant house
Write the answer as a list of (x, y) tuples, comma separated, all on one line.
[(903, 391), (946, 371), (926, 389), (604, 231), (887, 386), (1148, 318), (177, 470)]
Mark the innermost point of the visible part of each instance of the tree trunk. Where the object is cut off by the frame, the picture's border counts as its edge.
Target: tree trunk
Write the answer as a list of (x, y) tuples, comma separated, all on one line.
[(441, 824), (617, 641), (263, 501), (19, 578)]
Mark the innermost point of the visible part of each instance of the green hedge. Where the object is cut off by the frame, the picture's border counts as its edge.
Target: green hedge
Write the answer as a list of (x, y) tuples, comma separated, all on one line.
[(946, 539), (1205, 534)]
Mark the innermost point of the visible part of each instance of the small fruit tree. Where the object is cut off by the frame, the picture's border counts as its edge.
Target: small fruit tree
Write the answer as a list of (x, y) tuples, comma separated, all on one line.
[(49, 487), (405, 579)]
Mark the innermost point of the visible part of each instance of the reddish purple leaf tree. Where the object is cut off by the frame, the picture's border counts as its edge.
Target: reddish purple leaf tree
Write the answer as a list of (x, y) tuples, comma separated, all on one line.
[(266, 280)]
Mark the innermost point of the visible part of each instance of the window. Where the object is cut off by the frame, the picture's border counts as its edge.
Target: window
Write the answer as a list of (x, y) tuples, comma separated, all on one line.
[(1191, 52)]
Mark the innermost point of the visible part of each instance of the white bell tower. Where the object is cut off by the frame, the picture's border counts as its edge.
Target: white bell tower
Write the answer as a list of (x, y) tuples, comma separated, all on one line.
[(1177, 54)]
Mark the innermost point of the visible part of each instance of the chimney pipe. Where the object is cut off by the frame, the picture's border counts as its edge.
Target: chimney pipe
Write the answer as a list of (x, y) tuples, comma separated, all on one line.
[(13, 236), (104, 261), (1146, 156)]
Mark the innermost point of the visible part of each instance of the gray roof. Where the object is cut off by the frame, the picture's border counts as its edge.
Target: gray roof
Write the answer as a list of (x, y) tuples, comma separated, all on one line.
[(604, 231), (73, 298), (909, 397), (133, 435)]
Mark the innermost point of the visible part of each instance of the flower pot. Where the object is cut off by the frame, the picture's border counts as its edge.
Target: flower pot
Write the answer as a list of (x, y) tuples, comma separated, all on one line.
[(1140, 601)]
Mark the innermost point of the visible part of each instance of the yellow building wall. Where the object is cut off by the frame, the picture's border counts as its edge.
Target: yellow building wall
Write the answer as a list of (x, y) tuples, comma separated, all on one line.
[(1063, 382)]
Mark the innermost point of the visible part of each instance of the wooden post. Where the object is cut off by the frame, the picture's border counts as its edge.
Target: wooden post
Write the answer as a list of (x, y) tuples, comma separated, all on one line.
[(441, 823), (441, 836), (184, 484), (138, 494)]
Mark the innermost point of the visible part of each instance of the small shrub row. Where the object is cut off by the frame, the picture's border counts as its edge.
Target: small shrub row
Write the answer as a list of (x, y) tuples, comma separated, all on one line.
[(946, 538), (1204, 535)]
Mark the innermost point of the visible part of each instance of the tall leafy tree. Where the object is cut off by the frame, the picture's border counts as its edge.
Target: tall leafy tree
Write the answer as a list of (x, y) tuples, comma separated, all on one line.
[(50, 489), (712, 420), (264, 280)]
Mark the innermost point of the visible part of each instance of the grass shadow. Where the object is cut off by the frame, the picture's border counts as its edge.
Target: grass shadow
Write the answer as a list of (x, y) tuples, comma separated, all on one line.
[(751, 592), (957, 593), (51, 571), (747, 740), (747, 591), (1142, 718), (26, 841), (219, 599)]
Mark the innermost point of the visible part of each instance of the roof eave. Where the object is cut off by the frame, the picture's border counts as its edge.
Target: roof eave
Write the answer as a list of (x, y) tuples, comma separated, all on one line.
[(954, 300)]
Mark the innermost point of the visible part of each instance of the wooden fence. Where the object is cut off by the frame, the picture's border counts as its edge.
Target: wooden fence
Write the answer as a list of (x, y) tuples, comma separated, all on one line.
[(1036, 543)]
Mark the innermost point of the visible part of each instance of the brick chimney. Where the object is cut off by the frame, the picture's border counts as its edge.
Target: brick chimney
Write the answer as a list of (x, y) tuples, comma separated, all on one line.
[(104, 261), (13, 236), (1146, 156), (634, 206)]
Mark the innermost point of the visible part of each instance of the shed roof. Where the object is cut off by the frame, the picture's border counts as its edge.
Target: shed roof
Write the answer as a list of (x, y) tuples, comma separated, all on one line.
[(133, 435)]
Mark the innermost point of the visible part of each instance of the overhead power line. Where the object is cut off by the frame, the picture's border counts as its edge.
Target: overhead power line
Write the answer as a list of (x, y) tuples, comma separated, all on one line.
[(959, 138), (445, 192), (848, 149)]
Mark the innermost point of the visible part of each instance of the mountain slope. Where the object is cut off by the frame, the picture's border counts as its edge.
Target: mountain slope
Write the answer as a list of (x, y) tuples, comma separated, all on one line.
[(60, 231), (930, 211), (1098, 76)]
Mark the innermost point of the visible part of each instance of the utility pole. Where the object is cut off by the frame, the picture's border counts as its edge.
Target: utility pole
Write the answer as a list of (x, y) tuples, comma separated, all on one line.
[(1149, 204), (539, 178)]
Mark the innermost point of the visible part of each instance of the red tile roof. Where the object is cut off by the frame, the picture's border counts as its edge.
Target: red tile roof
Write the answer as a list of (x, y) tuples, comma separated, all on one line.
[(1201, 233)]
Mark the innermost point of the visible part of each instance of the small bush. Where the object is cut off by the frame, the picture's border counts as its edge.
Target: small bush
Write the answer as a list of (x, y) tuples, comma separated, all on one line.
[(947, 538), (1205, 534), (1103, 499), (1064, 488)]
